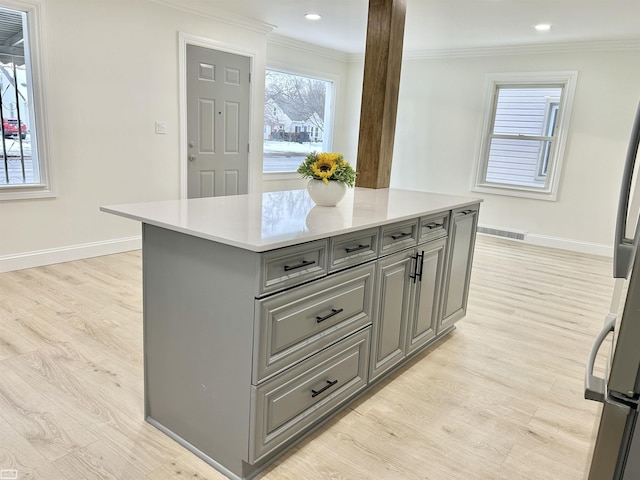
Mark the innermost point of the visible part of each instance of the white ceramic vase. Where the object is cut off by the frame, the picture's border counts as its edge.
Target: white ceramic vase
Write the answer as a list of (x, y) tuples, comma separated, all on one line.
[(326, 194)]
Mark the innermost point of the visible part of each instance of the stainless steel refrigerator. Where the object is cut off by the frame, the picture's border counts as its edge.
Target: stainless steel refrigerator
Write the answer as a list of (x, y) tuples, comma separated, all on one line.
[(616, 454)]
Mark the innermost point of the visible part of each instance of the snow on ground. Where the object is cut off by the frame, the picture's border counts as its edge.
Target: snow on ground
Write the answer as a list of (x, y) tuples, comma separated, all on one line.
[(13, 147), (13, 166), (286, 156), (278, 148)]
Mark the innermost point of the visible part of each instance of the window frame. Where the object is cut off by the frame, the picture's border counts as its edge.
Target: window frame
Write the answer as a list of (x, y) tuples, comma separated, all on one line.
[(35, 52), (551, 113), (565, 79), (330, 112)]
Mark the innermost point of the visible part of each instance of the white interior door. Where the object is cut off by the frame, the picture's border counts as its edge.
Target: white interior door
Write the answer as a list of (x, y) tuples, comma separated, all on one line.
[(217, 122)]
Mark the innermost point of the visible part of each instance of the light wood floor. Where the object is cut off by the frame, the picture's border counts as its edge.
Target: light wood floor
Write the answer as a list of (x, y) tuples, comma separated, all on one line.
[(499, 398)]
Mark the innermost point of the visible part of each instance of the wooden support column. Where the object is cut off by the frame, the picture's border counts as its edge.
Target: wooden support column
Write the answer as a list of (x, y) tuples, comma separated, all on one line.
[(382, 64)]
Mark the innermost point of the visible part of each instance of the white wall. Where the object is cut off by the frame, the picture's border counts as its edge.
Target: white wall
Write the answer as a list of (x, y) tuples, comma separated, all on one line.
[(305, 59), (124, 58), (441, 108)]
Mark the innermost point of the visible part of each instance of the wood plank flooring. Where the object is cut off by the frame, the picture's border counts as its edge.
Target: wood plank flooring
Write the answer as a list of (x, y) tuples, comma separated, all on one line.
[(499, 398)]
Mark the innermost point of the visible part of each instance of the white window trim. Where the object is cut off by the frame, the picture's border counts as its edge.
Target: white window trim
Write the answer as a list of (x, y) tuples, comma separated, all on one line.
[(566, 78), (39, 81), (327, 77)]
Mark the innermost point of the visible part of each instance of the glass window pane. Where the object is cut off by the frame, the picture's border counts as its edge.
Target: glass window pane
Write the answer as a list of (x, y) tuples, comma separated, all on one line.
[(295, 122), (523, 111), (516, 162), (17, 163)]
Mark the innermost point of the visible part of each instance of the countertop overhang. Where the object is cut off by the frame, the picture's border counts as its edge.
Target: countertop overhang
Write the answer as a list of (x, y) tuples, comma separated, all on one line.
[(265, 221)]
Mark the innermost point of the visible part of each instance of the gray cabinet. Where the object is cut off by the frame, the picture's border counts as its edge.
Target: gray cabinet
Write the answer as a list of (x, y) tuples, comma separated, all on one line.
[(245, 352), (455, 290), (408, 294)]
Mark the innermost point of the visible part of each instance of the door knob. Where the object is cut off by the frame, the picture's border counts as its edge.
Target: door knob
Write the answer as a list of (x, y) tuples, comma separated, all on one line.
[(192, 158), (192, 144)]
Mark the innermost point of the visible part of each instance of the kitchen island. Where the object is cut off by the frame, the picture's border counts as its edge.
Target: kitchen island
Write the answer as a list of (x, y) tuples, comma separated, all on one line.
[(264, 314)]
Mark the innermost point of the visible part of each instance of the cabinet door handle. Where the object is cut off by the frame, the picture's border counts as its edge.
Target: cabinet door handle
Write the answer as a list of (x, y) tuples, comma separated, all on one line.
[(333, 313), (419, 258), (305, 263), (356, 249), (415, 268), (400, 235), (467, 212), (327, 386), (419, 261)]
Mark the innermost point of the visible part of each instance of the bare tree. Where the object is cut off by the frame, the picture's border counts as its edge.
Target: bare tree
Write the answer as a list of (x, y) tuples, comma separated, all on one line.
[(301, 98)]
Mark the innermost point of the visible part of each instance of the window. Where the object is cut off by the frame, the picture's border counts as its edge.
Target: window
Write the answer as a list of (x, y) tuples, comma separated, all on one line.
[(525, 133), (297, 119), (24, 172)]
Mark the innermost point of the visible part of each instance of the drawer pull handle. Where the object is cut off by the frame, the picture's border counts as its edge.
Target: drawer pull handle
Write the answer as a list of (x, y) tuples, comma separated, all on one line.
[(356, 249), (305, 263), (467, 212), (333, 313), (401, 235), (327, 386), (431, 226)]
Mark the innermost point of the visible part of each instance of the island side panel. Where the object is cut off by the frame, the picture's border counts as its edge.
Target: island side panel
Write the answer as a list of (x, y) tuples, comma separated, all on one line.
[(198, 333)]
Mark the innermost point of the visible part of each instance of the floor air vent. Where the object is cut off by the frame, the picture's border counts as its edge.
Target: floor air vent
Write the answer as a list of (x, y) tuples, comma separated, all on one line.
[(496, 232)]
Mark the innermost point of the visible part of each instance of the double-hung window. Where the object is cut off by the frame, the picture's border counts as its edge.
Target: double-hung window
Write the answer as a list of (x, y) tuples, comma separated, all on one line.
[(525, 133), (24, 169)]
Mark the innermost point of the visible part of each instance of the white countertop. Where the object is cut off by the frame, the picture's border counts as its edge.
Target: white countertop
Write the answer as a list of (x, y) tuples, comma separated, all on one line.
[(264, 221)]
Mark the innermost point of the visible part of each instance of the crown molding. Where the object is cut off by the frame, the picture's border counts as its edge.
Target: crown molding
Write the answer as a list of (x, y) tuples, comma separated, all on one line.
[(226, 17), (274, 39), (547, 48), (541, 49)]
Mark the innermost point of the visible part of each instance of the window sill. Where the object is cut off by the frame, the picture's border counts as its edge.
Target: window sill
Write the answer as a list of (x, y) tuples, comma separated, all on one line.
[(25, 192), (514, 191)]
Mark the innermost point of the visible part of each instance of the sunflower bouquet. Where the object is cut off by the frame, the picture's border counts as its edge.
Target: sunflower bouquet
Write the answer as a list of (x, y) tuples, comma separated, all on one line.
[(328, 167)]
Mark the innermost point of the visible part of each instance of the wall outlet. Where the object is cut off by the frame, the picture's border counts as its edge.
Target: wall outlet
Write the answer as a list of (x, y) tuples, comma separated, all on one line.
[(161, 128)]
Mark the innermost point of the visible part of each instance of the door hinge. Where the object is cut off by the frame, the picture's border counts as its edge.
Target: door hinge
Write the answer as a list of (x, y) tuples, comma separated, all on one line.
[(249, 77)]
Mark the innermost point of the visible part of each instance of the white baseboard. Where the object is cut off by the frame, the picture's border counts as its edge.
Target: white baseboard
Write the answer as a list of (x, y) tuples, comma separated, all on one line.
[(40, 258), (568, 244), (552, 242)]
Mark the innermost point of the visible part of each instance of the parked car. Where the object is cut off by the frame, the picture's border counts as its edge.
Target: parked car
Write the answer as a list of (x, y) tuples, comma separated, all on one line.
[(10, 128)]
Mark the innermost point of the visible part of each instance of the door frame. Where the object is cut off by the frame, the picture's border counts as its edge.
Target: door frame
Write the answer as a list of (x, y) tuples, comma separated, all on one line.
[(185, 39)]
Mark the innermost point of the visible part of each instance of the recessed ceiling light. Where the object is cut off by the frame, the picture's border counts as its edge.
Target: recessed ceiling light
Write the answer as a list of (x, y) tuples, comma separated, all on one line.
[(312, 16), (543, 27)]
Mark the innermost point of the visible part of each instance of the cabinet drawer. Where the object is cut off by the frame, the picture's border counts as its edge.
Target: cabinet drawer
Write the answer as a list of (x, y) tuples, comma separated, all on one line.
[(353, 248), (433, 227), (290, 266), (289, 403), (398, 236), (302, 321)]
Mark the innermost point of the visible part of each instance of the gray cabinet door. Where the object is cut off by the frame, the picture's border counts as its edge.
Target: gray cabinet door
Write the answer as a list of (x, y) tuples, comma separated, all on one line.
[(389, 331), (458, 272), (425, 301)]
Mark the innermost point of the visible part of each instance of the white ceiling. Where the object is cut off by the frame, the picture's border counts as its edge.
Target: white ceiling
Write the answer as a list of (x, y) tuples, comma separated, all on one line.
[(444, 24)]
